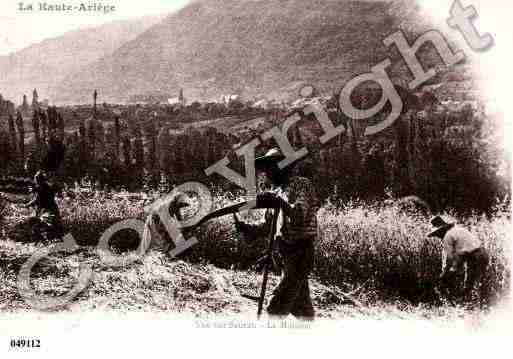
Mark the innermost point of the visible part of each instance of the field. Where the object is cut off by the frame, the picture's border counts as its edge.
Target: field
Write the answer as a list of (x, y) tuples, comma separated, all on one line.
[(377, 253)]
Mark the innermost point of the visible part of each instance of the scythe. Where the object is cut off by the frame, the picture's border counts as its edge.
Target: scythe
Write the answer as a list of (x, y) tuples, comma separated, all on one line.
[(264, 201)]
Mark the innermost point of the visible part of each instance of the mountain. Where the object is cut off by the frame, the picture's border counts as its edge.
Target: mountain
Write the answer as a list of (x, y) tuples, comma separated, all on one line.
[(253, 48), (46, 64), (213, 47)]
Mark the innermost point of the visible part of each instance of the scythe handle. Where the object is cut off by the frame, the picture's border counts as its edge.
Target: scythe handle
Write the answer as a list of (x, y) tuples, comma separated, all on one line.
[(267, 263)]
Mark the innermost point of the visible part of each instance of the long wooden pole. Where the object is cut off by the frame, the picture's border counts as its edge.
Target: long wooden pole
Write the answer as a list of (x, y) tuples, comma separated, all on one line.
[(268, 262)]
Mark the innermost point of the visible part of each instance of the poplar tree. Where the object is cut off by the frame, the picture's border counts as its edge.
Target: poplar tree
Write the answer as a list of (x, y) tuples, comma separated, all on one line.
[(21, 133), (5, 150), (91, 138), (52, 119), (138, 156), (44, 126), (12, 136), (127, 150), (164, 151), (83, 151), (117, 136), (60, 126), (35, 127), (152, 165)]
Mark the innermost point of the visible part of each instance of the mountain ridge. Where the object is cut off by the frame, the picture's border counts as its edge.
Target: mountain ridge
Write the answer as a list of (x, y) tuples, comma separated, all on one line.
[(254, 48), (43, 65)]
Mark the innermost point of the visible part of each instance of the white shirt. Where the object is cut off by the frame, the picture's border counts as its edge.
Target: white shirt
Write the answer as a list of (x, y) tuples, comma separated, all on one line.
[(280, 219), (457, 242)]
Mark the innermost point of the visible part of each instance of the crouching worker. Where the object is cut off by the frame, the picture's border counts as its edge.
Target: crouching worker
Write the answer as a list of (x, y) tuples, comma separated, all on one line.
[(460, 249), (294, 203), (156, 235)]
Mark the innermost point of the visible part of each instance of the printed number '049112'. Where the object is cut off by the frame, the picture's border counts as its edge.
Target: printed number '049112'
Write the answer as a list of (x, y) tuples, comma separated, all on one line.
[(25, 343)]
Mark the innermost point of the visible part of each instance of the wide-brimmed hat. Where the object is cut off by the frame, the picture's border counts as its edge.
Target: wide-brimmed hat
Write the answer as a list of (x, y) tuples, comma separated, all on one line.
[(269, 163), (40, 176), (174, 204), (181, 200), (270, 158), (440, 224)]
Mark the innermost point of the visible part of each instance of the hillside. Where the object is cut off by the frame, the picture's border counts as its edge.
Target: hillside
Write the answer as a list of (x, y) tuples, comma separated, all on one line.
[(264, 48), (45, 64)]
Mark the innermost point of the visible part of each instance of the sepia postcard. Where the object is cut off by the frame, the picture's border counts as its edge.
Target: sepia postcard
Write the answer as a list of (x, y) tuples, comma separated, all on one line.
[(316, 175)]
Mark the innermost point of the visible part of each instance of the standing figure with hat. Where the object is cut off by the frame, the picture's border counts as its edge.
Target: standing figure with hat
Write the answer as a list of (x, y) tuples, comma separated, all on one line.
[(461, 249), (293, 206)]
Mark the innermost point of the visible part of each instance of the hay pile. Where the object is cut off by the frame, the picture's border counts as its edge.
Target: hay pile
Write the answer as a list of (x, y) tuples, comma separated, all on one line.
[(153, 284)]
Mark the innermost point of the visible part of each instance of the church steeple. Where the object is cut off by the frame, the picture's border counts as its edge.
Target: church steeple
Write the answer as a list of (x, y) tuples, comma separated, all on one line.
[(35, 99), (181, 98), (95, 97), (25, 105)]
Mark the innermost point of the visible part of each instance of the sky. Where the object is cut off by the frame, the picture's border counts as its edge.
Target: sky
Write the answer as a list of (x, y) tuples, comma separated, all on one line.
[(19, 29)]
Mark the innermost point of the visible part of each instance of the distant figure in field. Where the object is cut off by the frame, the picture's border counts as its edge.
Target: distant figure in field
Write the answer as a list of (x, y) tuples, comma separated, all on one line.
[(47, 219), (155, 233), (460, 249), (413, 204)]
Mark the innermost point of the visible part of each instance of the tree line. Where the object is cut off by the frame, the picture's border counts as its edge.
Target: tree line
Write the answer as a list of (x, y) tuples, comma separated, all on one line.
[(448, 158)]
